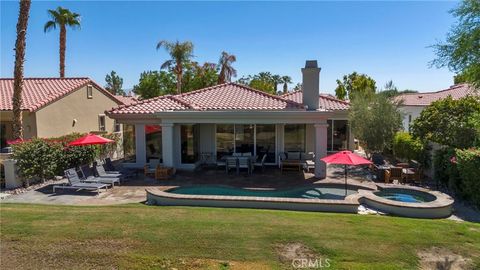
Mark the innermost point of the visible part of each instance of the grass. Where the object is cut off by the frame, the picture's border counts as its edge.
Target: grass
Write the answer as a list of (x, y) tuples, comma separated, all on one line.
[(137, 236)]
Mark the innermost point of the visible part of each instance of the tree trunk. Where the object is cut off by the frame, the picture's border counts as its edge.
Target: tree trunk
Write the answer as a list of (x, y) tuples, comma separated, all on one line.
[(285, 88), (179, 71), (20, 45), (63, 47)]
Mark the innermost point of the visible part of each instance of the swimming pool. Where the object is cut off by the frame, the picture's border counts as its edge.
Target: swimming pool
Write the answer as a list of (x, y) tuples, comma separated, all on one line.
[(310, 192), (405, 195)]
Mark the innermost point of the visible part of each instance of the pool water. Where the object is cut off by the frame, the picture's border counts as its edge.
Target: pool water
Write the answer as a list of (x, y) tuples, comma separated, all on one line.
[(401, 195), (327, 192)]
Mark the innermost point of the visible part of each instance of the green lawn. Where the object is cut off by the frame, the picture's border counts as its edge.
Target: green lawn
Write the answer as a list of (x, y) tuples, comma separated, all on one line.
[(137, 237)]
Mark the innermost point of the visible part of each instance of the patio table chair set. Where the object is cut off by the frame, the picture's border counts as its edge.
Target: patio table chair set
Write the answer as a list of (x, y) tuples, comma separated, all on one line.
[(238, 161), (405, 172)]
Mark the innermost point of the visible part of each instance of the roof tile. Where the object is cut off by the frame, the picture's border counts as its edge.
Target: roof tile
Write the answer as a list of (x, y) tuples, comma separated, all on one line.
[(424, 99)]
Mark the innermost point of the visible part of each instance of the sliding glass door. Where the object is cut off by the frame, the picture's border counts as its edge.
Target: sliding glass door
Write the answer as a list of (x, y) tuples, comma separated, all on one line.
[(338, 134), (246, 138), (189, 135), (265, 142)]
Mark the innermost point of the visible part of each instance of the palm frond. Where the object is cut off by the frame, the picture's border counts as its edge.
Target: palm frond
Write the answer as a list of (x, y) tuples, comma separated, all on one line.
[(167, 64), (49, 26)]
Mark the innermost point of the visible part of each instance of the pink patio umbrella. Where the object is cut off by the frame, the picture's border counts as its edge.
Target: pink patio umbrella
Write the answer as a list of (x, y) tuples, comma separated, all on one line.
[(346, 158), (90, 139)]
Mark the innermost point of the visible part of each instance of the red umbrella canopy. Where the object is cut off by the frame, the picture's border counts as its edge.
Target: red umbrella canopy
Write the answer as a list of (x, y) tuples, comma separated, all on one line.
[(90, 139), (346, 158)]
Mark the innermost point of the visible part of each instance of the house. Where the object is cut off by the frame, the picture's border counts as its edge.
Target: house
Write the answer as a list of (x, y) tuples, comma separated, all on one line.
[(414, 103), (187, 129), (54, 107)]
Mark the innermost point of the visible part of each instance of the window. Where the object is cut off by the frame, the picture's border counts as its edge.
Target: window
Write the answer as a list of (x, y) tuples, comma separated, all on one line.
[(294, 138), (338, 134), (244, 138), (116, 126), (89, 91), (189, 139), (153, 142), (101, 122)]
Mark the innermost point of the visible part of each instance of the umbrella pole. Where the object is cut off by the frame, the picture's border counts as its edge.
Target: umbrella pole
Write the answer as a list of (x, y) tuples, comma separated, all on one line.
[(346, 172)]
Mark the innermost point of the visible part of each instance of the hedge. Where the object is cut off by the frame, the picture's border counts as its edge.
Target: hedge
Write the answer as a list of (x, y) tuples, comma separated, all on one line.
[(407, 148), (45, 158), (468, 164)]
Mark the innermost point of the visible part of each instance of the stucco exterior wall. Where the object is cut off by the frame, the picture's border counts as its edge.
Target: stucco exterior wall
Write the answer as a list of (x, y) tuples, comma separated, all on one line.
[(57, 118), (407, 111), (29, 124)]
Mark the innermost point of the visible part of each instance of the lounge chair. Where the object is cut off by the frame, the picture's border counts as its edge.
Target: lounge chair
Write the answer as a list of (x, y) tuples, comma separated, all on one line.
[(100, 172), (89, 177), (74, 182), (110, 169), (309, 161)]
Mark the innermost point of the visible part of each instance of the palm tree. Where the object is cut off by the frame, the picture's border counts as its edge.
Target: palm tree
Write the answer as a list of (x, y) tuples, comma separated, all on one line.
[(286, 80), (20, 45), (276, 79), (62, 18), (226, 69), (180, 52)]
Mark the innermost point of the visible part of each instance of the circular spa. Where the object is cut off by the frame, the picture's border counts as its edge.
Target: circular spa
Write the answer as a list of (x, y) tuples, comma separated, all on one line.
[(408, 202), (322, 197)]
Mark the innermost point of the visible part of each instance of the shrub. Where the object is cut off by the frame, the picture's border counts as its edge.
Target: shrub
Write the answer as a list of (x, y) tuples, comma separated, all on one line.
[(37, 158), (406, 147), (446, 171), (73, 156), (468, 164)]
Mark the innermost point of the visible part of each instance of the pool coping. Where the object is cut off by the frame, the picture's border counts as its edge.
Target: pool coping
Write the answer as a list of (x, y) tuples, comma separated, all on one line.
[(352, 199), (442, 200)]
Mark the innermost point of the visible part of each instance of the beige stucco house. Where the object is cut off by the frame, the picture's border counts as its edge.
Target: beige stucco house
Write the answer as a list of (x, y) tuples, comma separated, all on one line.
[(54, 107), (186, 130)]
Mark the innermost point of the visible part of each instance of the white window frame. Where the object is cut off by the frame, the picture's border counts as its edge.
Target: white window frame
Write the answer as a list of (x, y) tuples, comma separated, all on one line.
[(89, 91)]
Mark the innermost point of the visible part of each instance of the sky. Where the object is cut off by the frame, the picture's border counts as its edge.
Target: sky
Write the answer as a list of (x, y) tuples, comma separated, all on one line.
[(385, 40)]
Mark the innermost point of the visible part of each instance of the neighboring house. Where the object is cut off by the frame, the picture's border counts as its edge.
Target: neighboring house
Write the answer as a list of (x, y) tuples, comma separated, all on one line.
[(54, 107), (126, 100), (204, 125), (414, 103)]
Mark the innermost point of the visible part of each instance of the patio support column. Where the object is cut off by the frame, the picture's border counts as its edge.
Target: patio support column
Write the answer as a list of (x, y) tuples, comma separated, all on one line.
[(320, 150), (167, 144), (140, 150)]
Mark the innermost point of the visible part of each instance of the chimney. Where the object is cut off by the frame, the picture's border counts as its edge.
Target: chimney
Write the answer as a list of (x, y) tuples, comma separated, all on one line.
[(311, 84)]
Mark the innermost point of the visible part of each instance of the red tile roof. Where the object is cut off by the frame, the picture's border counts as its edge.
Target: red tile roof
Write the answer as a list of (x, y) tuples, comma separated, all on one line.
[(229, 96), (38, 92), (325, 101), (424, 99), (127, 100)]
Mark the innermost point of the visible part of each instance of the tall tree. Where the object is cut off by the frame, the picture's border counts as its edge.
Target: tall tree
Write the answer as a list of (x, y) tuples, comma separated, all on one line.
[(226, 69), (374, 120), (276, 80), (20, 45), (62, 18), (286, 80), (355, 84), (154, 84), (180, 53), (114, 83), (461, 50), (199, 76)]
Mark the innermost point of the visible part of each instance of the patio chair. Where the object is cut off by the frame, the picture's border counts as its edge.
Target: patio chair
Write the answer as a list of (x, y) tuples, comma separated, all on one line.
[(151, 166), (396, 173), (236, 154), (261, 163), (89, 177), (220, 163), (245, 163), (74, 182), (231, 162), (247, 154), (309, 159)]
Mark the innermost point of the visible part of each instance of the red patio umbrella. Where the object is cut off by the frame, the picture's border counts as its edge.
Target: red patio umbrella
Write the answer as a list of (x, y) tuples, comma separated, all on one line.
[(90, 139), (346, 158)]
